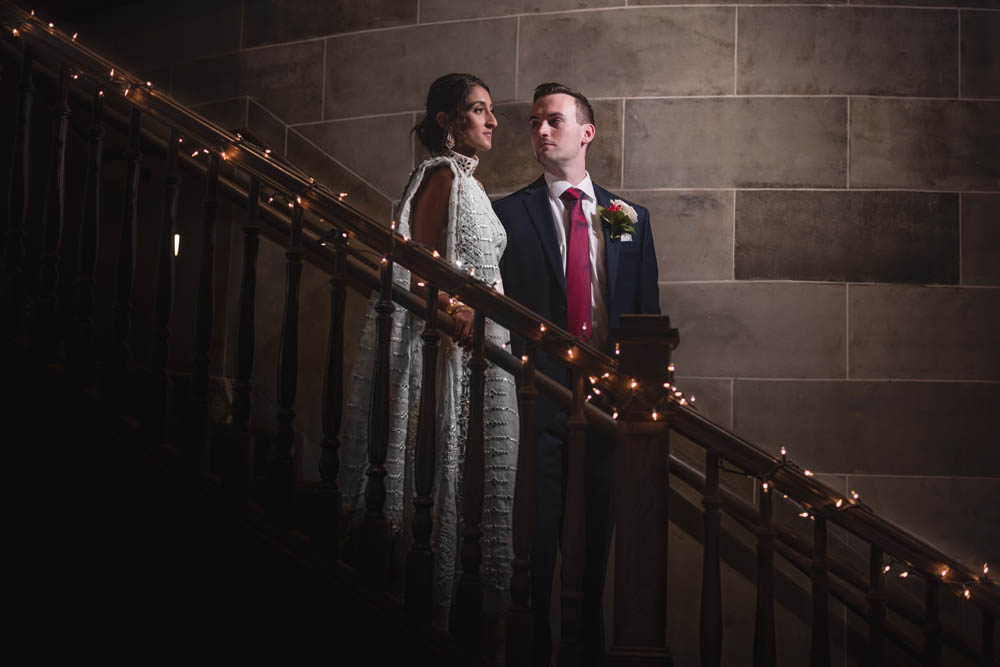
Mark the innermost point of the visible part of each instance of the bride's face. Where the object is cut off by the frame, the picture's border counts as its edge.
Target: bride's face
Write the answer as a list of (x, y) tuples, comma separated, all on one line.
[(475, 123)]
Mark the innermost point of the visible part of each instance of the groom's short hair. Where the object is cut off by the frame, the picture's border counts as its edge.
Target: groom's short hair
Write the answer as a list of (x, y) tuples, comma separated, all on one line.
[(584, 112)]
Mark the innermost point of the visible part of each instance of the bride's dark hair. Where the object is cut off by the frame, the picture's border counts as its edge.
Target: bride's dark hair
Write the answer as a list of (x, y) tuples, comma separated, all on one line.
[(447, 94)]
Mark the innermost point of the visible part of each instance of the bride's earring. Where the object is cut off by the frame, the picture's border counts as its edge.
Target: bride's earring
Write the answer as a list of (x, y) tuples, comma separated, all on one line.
[(449, 140)]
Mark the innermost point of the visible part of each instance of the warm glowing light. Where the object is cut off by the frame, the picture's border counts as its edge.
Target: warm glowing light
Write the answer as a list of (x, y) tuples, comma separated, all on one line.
[(840, 501), (597, 391), (180, 140), (804, 515), (128, 89), (177, 244), (807, 473), (524, 358), (392, 225), (569, 352), (986, 569), (458, 263), (670, 367), (149, 84), (112, 71), (51, 25), (342, 195), (606, 375), (100, 93), (593, 379), (195, 154), (904, 574), (589, 396), (205, 151), (886, 569), (267, 151), (944, 573), (967, 593), (855, 494), (291, 205), (633, 383), (614, 415), (765, 486), (223, 154), (683, 401), (76, 76), (385, 260), (666, 385), (618, 348), (421, 283), (15, 32), (436, 253), (784, 452), (541, 327), (298, 199), (74, 36), (655, 416)]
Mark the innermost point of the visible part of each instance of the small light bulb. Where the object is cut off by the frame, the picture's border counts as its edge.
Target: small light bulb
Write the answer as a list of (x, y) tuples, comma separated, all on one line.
[(606, 375), (385, 260), (597, 391), (180, 140), (76, 76), (840, 501), (967, 593), (986, 568), (683, 401), (74, 36), (593, 379), (804, 515), (177, 244), (458, 263), (149, 84), (541, 327), (886, 569), (589, 396), (298, 199), (855, 494), (291, 205), (569, 352), (765, 486), (633, 383), (670, 367), (944, 573), (342, 195), (344, 235), (421, 283), (392, 225), (691, 398), (784, 452), (807, 473), (524, 358), (267, 151), (195, 154), (666, 385), (112, 71), (904, 574), (614, 415), (618, 348), (15, 32), (100, 93), (436, 253), (223, 154), (655, 416)]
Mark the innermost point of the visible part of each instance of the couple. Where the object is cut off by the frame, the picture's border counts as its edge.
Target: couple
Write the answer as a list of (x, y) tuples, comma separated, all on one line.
[(546, 247)]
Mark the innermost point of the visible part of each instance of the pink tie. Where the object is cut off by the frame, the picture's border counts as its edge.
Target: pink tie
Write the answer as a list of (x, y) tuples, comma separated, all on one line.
[(577, 266)]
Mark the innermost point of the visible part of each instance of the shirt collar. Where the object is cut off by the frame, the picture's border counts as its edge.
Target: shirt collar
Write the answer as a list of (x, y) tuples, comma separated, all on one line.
[(557, 187)]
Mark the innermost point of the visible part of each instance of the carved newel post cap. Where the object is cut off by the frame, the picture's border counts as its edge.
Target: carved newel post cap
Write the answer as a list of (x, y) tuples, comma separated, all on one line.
[(642, 345)]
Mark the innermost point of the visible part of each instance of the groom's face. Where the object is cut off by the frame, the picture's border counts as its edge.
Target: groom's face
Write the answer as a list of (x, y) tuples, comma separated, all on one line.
[(557, 136)]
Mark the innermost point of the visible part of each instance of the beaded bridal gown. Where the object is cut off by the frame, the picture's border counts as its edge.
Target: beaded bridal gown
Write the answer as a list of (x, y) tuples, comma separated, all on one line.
[(475, 239)]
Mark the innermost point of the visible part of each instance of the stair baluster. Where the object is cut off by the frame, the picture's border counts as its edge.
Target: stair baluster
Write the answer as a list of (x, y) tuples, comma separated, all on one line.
[(764, 646), (12, 250), (876, 606), (45, 327), (234, 454), (420, 559), (520, 627), (196, 444), (987, 639), (116, 371), (282, 464), (820, 643), (932, 621), (82, 349), (571, 647), (711, 577), (328, 524), (469, 591), (375, 530), (163, 293)]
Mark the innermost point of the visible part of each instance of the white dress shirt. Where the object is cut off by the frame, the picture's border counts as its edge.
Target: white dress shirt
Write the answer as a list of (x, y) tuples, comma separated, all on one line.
[(598, 273)]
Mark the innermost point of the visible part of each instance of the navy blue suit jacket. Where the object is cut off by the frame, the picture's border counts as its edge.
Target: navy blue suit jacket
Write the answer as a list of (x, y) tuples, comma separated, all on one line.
[(533, 272)]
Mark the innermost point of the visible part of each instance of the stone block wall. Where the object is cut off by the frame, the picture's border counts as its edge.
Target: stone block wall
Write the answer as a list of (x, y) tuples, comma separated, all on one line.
[(824, 183)]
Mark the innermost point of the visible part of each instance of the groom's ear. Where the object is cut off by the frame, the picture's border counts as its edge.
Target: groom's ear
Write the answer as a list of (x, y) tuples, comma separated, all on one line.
[(442, 119), (589, 132)]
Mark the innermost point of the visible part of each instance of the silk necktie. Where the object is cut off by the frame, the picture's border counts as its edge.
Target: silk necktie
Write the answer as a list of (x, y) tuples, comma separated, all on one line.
[(577, 266)]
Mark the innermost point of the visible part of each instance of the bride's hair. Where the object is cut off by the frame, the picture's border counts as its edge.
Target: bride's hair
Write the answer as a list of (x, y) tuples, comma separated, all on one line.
[(447, 94)]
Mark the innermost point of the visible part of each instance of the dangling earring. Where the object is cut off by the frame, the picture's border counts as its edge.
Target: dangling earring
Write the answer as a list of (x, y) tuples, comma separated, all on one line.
[(449, 140)]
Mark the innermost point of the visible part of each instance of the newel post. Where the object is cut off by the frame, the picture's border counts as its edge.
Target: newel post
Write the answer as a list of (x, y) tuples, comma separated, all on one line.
[(642, 455)]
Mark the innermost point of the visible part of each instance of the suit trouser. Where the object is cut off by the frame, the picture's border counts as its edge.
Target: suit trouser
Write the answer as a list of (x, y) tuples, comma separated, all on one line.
[(550, 488)]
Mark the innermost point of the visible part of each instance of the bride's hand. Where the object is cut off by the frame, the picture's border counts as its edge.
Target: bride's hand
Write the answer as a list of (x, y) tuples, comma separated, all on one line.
[(465, 322)]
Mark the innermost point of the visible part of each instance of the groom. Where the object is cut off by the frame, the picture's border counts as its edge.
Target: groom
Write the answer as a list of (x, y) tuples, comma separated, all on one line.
[(563, 262)]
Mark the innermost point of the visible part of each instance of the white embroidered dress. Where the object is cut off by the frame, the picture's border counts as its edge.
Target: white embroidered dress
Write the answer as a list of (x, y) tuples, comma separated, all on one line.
[(475, 239)]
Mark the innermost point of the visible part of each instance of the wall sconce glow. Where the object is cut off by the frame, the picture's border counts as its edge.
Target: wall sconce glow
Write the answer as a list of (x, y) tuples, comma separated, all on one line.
[(177, 244)]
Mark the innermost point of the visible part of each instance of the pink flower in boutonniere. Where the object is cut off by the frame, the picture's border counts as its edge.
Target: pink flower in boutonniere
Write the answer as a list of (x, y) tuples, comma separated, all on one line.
[(620, 218)]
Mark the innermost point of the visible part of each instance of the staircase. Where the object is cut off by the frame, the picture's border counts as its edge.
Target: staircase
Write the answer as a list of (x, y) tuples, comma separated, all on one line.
[(177, 527)]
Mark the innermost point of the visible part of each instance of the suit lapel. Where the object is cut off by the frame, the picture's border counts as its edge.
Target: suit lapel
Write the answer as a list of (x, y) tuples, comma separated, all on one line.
[(611, 248), (540, 213)]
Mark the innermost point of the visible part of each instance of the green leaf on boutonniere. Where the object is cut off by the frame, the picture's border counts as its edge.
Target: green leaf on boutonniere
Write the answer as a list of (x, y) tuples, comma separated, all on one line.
[(619, 216)]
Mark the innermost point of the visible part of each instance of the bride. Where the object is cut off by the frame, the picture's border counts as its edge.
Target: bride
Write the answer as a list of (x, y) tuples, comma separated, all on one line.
[(444, 207)]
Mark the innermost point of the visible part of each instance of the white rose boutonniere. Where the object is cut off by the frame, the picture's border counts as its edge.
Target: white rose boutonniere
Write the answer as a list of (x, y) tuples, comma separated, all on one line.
[(620, 218)]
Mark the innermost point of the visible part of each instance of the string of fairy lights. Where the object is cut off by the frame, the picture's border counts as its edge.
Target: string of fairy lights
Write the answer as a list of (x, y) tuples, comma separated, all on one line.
[(617, 396)]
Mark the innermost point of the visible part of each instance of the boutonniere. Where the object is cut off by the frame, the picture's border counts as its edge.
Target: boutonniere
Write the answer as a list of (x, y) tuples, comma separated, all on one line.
[(620, 218)]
